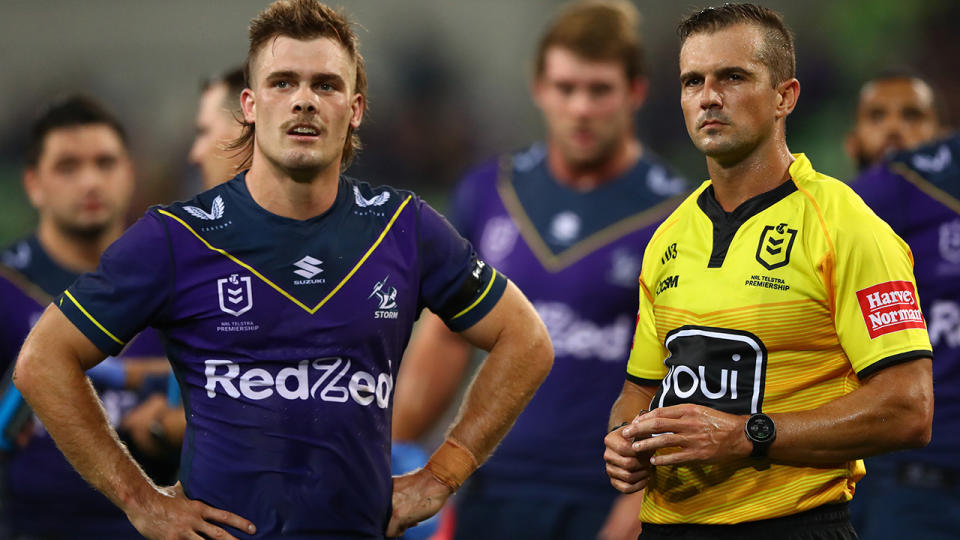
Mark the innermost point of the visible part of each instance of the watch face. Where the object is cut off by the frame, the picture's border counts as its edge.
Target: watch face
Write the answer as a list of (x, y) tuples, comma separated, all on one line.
[(760, 428)]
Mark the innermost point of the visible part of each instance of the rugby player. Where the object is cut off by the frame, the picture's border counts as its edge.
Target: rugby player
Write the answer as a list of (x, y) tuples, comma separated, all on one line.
[(218, 123), (896, 110), (916, 492), (779, 338), (79, 177), (285, 297), (567, 219)]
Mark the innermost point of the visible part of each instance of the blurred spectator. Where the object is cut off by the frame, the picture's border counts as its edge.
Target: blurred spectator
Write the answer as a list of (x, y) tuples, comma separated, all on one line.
[(567, 220), (218, 125)]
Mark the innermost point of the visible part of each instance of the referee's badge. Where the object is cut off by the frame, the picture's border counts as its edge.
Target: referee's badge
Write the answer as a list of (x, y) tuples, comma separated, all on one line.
[(775, 245)]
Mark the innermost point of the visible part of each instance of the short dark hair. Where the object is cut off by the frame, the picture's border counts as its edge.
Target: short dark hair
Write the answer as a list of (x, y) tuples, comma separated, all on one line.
[(904, 72), (303, 19), (234, 80), (69, 111), (597, 30), (778, 51)]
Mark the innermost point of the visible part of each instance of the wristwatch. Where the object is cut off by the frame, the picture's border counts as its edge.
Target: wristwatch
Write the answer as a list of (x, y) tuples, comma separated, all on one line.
[(761, 432)]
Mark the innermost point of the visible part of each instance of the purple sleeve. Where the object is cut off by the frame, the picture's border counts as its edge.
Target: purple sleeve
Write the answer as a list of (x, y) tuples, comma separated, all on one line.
[(129, 289), (454, 283)]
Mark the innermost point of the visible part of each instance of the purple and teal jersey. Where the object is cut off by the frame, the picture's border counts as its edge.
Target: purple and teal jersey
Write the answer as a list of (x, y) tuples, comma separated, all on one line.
[(286, 337), (43, 494), (576, 255), (918, 194)]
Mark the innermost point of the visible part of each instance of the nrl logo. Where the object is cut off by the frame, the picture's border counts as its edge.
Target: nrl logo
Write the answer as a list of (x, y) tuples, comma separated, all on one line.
[(378, 200), (216, 210), (236, 294), (775, 245)]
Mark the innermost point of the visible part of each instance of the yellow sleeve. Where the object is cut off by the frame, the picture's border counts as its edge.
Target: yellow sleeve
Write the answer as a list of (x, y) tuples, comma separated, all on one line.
[(876, 307), (645, 365)]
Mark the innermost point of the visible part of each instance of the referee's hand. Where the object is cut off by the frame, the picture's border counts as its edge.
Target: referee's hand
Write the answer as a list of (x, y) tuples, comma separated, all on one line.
[(694, 433), (172, 516), (628, 469)]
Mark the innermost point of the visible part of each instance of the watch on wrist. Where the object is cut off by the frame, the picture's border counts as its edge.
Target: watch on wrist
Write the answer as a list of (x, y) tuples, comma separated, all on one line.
[(760, 431)]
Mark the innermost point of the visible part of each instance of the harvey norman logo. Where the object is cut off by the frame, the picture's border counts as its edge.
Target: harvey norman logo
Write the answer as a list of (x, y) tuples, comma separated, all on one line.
[(890, 307)]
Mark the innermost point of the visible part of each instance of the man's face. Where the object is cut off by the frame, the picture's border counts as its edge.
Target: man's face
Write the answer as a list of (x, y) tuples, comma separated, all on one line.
[(216, 127), (728, 102), (83, 179), (588, 106), (302, 102), (893, 114)]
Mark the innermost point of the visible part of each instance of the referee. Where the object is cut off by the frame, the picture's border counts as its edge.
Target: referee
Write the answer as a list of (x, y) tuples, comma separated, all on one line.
[(779, 337)]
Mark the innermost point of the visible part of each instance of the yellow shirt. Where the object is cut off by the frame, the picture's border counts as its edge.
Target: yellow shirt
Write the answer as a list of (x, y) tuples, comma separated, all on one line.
[(781, 305)]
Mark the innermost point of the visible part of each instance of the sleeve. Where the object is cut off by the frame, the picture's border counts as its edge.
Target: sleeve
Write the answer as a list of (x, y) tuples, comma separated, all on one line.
[(128, 290), (454, 283), (645, 365), (876, 307)]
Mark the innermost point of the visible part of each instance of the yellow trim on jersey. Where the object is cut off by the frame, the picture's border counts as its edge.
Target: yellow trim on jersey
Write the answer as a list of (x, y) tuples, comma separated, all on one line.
[(926, 186), (89, 316), (556, 262), (482, 296), (277, 287)]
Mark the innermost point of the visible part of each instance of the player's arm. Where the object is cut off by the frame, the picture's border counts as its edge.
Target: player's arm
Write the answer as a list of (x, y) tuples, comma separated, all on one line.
[(893, 410), (431, 372), (50, 373), (520, 356)]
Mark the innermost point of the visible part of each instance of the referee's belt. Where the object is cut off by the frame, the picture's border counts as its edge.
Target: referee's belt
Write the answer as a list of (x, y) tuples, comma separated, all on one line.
[(926, 475)]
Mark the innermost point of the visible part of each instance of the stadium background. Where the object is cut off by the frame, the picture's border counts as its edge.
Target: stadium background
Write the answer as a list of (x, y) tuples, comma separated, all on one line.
[(448, 79)]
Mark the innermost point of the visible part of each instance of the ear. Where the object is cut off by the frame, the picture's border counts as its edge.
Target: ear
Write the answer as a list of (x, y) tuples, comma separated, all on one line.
[(31, 185), (248, 104), (358, 106), (788, 92), (638, 91)]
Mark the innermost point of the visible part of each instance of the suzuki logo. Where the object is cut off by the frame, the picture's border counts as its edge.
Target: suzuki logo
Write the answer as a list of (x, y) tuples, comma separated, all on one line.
[(308, 267), (236, 294)]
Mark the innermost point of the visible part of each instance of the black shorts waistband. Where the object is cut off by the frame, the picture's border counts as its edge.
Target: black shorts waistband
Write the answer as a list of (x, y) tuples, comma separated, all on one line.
[(824, 516)]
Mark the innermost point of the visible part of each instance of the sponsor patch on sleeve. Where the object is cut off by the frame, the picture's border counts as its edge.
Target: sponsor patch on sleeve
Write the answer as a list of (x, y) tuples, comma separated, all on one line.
[(890, 307)]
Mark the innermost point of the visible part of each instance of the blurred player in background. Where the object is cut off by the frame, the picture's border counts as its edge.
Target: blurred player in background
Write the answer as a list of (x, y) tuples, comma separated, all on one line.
[(567, 219), (80, 178), (218, 124), (896, 110), (285, 297), (779, 338), (916, 493)]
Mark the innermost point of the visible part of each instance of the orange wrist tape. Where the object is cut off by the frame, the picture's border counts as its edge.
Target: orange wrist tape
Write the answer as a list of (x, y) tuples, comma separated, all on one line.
[(451, 464)]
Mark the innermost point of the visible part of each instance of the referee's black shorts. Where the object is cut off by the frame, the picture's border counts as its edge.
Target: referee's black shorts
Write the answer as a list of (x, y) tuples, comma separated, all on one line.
[(827, 522)]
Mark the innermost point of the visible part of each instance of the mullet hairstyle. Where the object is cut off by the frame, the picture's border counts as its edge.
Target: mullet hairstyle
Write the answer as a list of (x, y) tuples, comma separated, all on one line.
[(597, 30), (302, 20), (778, 51), (66, 112)]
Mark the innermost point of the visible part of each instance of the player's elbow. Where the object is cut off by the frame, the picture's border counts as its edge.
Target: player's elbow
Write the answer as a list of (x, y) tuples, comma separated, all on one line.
[(26, 373)]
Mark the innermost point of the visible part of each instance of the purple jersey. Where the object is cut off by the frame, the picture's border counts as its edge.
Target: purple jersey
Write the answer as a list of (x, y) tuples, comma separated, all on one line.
[(918, 194), (577, 256), (43, 494), (286, 337)]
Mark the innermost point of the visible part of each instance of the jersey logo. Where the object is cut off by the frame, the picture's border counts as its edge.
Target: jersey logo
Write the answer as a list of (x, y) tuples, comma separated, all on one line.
[(935, 163), (378, 200), (950, 241), (387, 297), (20, 258), (714, 367), (216, 210), (236, 294), (890, 307), (308, 267), (773, 251)]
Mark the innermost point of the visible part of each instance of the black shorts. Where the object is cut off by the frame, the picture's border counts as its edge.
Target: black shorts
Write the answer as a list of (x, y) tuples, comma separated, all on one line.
[(827, 522)]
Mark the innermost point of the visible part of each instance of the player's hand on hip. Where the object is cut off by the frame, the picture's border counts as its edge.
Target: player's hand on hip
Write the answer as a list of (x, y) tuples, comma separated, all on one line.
[(416, 496), (627, 468), (694, 433), (172, 516)]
